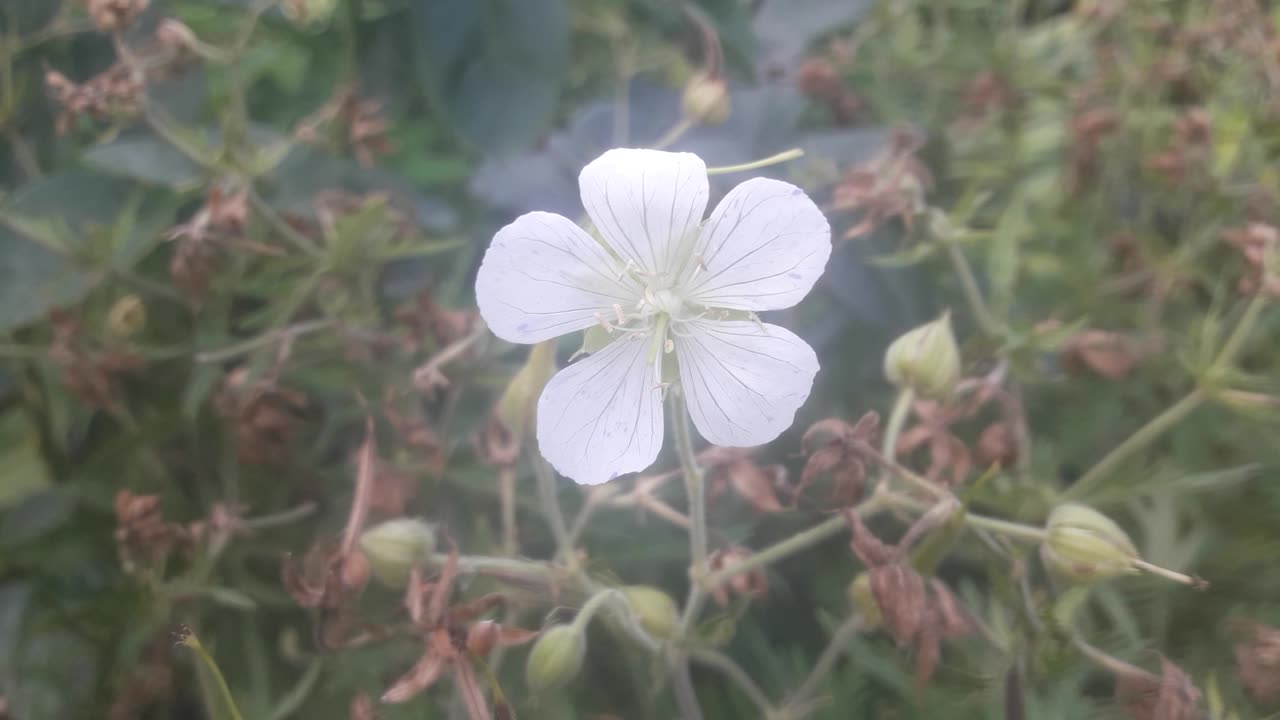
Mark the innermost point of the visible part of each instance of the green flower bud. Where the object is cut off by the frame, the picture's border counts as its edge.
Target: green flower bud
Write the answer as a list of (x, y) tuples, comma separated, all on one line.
[(1085, 546), (706, 100), (396, 547), (519, 402), (655, 609), (925, 360), (865, 602), (556, 657)]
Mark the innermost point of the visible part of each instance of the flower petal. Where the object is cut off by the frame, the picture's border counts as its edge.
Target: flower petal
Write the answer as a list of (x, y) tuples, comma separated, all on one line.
[(743, 381), (602, 417), (543, 277), (763, 248), (646, 203)]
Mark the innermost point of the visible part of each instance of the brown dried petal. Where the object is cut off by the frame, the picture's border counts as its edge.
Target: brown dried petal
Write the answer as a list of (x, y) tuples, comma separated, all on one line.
[(1258, 662), (952, 619), (1173, 697), (866, 546), (421, 676), (928, 653), (996, 445), (899, 592), (754, 484), (1108, 354)]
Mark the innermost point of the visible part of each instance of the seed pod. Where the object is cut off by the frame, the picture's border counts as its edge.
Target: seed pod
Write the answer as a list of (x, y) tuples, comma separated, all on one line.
[(655, 609), (396, 547), (555, 658), (1085, 546)]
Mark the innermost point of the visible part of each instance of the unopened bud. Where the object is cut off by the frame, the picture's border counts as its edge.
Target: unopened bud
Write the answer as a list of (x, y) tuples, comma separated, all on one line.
[(864, 600), (127, 317), (518, 404), (706, 100), (655, 609), (396, 547), (1085, 546), (925, 360), (556, 657)]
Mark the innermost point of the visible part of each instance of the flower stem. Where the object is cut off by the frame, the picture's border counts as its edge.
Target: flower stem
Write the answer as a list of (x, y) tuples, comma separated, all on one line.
[(972, 294), (1008, 528), (778, 159), (836, 647), (897, 418), (546, 478), (1136, 442), (734, 672), (693, 481), (591, 607)]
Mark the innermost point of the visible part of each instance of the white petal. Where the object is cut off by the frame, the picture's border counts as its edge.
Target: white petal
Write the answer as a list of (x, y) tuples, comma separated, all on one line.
[(646, 203), (602, 417), (763, 248), (543, 277), (743, 381)]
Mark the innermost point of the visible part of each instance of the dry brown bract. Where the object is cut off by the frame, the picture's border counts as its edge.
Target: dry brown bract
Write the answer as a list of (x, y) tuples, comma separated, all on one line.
[(890, 185), (1109, 354), (90, 374), (114, 94), (358, 121), (264, 416), (221, 220), (819, 79), (1255, 242), (1170, 697), (453, 637), (734, 469)]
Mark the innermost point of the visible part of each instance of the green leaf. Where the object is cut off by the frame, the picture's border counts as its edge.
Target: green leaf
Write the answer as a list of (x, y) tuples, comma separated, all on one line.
[(25, 468), (147, 159), (493, 69)]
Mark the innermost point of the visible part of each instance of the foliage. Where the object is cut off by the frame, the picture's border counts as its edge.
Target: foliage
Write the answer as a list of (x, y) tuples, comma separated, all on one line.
[(237, 247)]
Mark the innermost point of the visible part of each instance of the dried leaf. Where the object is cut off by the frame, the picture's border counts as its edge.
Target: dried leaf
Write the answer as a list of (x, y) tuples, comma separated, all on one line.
[(752, 483), (866, 546)]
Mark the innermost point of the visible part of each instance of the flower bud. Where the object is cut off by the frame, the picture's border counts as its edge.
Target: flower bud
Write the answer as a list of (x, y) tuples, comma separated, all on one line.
[(1085, 546), (706, 100), (864, 601), (556, 657), (655, 609), (396, 547), (518, 404), (925, 360), (127, 317)]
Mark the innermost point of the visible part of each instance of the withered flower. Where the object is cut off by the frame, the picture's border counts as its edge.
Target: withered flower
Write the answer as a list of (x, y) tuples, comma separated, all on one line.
[(818, 78), (112, 15), (890, 185), (1258, 661), (91, 375), (949, 456), (843, 455), (453, 638), (752, 584), (115, 93), (734, 469), (220, 221), (1172, 696), (1256, 242), (264, 416), (1109, 354), (143, 538), (997, 445)]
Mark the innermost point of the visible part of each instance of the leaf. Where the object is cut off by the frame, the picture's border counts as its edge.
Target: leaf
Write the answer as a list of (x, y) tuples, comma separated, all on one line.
[(493, 69), (26, 471), (147, 159), (218, 703)]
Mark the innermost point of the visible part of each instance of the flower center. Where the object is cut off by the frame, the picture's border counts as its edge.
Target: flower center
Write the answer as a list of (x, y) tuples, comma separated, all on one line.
[(666, 301)]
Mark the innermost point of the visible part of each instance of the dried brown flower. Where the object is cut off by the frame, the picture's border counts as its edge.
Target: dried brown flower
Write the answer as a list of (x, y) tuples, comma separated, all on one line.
[(733, 468), (997, 445), (819, 79), (357, 122), (453, 637), (1171, 697), (842, 455), (1088, 128), (752, 584), (949, 456), (1258, 661), (1255, 242), (143, 538), (220, 221), (264, 416), (1109, 354), (115, 93), (890, 185), (91, 375)]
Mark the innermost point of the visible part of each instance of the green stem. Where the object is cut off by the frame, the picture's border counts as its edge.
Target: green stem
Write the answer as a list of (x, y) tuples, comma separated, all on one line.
[(734, 672), (796, 543), (1135, 443), (1008, 528), (592, 606), (972, 294), (836, 647), (778, 159), (1235, 343), (693, 480), (897, 418), (546, 478), (287, 333)]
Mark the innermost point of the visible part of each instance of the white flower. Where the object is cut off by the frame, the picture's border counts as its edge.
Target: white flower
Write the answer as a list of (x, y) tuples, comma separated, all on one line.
[(660, 280)]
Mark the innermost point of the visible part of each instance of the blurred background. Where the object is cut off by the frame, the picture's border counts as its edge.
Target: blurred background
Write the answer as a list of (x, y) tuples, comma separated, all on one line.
[(238, 241)]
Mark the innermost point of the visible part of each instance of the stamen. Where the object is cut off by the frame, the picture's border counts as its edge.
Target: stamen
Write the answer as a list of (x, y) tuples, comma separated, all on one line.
[(617, 311), (604, 323), (669, 346)]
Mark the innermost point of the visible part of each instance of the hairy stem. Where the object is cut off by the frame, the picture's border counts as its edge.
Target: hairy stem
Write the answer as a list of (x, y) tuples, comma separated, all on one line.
[(546, 478)]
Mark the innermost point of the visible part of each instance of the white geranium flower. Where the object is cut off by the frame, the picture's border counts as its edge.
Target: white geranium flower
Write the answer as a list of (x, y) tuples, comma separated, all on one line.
[(660, 280)]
